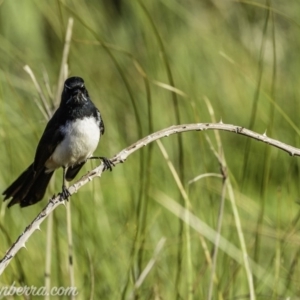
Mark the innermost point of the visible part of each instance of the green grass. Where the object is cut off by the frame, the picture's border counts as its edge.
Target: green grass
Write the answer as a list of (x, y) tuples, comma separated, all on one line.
[(241, 57)]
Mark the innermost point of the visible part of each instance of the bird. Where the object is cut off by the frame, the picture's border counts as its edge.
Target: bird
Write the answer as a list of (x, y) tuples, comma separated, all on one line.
[(68, 141)]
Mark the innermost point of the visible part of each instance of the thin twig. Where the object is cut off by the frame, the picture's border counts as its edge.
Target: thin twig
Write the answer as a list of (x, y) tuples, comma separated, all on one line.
[(120, 158), (149, 266), (45, 109), (188, 207), (62, 72), (70, 247), (217, 241), (48, 256)]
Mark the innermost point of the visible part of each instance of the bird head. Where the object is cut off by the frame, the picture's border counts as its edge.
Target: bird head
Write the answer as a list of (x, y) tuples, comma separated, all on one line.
[(74, 90)]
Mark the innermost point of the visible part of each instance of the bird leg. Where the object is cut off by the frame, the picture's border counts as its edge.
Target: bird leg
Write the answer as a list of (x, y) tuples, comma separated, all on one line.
[(65, 194)]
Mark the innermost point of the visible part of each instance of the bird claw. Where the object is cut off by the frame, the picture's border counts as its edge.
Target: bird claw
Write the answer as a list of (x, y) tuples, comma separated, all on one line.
[(65, 194), (108, 164)]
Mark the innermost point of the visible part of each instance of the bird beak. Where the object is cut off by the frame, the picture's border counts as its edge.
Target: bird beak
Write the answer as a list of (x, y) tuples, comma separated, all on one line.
[(79, 96)]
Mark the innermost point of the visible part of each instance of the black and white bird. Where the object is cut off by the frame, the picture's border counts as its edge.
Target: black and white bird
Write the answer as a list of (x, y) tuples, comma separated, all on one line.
[(70, 138)]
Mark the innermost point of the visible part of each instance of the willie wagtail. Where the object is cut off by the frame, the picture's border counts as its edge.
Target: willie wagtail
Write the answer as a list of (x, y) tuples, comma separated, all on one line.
[(70, 138)]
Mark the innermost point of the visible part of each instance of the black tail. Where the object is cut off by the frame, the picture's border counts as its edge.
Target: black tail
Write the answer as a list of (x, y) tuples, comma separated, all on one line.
[(28, 188)]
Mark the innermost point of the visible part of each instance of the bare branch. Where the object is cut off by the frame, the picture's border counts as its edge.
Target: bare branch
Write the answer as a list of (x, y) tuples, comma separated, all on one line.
[(120, 158)]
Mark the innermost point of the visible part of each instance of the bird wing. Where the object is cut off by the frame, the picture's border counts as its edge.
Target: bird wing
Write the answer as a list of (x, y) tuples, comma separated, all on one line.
[(102, 128), (51, 137)]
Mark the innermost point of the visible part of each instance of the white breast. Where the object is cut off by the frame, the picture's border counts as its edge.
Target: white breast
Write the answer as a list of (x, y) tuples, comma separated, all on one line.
[(81, 140)]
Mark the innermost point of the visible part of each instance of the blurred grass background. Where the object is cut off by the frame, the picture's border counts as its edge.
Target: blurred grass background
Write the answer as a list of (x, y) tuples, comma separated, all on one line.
[(243, 57)]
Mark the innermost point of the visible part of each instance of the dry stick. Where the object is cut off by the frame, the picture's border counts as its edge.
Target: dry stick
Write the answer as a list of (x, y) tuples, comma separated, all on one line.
[(188, 206), (120, 158), (148, 267), (48, 257), (46, 111), (70, 247), (62, 72)]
